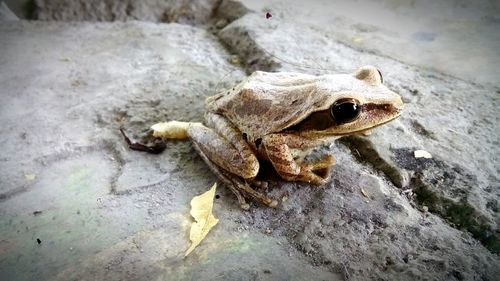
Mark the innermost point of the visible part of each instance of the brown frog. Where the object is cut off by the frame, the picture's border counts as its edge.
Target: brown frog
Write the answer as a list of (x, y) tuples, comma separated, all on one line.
[(271, 116)]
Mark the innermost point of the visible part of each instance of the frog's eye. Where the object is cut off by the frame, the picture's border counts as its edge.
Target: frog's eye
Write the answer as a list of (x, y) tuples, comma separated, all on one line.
[(345, 110)]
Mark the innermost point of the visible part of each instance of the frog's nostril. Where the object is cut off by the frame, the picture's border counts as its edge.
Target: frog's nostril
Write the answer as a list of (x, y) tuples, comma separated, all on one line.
[(399, 105)]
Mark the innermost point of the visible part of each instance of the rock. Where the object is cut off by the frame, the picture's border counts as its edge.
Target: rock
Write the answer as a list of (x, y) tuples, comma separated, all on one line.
[(423, 35), (67, 88), (229, 10), (6, 14), (187, 12), (241, 42), (455, 185), (112, 213), (462, 145)]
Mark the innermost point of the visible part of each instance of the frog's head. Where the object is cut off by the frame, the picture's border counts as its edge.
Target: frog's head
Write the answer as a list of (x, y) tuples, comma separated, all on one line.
[(361, 103)]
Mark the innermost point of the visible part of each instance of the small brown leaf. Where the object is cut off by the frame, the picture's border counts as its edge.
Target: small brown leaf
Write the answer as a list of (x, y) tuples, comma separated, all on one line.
[(365, 194), (422, 154), (234, 59), (201, 211), (358, 40), (30, 177)]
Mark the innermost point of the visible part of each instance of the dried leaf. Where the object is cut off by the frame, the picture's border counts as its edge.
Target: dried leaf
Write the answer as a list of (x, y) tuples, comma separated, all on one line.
[(357, 40), (234, 59), (201, 211), (422, 154)]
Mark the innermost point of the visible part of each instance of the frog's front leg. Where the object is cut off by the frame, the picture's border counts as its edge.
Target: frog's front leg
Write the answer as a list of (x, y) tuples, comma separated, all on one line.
[(278, 148), (229, 156)]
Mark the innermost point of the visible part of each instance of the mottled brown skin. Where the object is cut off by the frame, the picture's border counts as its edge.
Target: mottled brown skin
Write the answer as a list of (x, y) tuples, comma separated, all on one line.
[(270, 115)]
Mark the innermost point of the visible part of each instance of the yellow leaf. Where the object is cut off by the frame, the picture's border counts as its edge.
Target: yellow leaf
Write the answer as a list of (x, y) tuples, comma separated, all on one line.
[(201, 211)]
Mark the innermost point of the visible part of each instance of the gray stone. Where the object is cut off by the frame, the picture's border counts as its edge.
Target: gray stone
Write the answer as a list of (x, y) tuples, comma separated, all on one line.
[(229, 10), (463, 175), (188, 12), (452, 37), (102, 211), (6, 14), (66, 90)]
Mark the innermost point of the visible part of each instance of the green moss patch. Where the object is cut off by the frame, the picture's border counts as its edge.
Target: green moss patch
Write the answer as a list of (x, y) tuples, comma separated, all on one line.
[(461, 215)]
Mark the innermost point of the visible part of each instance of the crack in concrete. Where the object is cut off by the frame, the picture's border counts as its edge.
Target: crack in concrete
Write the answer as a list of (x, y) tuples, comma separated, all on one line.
[(110, 147), (460, 215), (364, 151), (70, 153), (251, 55), (16, 191), (45, 160)]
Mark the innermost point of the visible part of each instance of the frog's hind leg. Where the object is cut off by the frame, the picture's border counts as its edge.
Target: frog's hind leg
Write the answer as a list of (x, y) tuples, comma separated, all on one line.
[(221, 142), (240, 159), (229, 156), (236, 185), (221, 175)]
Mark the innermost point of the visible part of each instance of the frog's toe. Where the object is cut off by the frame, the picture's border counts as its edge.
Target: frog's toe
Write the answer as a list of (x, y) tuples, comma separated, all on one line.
[(315, 179), (319, 172), (273, 204), (245, 206), (260, 184)]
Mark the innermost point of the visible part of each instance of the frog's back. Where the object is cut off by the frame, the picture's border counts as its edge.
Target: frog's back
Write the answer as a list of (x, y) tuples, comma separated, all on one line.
[(267, 102)]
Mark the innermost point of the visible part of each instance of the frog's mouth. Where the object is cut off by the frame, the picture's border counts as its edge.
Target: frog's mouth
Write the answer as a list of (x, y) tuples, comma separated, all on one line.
[(372, 115)]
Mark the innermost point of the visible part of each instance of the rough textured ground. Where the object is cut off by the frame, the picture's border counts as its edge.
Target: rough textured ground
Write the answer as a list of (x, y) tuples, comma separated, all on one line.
[(102, 211), (187, 12), (459, 38)]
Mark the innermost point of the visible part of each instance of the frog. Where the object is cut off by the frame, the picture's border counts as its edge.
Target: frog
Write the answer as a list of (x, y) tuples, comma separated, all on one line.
[(279, 117)]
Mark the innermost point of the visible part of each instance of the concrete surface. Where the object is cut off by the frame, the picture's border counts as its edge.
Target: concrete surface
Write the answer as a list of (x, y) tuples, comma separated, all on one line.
[(102, 211), (186, 12), (459, 38)]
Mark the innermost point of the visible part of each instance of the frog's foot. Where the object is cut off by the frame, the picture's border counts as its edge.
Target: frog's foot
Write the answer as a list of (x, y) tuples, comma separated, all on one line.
[(260, 197), (241, 187), (260, 184), (317, 173), (321, 169)]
